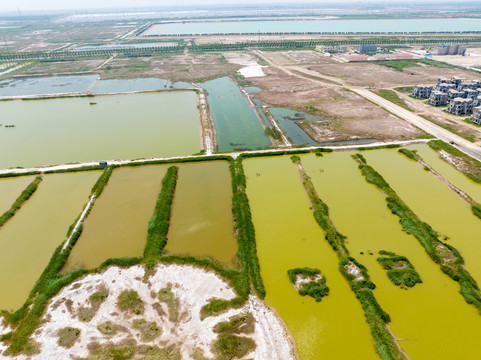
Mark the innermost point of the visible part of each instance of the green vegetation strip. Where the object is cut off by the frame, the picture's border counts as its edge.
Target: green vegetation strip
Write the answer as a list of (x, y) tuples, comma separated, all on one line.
[(405, 89), (413, 155), (24, 196), (471, 168), (399, 269), (470, 136), (443, 254), (311, 282), (394, 98), (159, 223), (360, 284)]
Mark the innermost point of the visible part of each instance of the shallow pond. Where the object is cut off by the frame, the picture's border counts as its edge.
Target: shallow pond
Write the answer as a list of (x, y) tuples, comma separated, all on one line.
[(46, 85), (100, 128), (286, 118), (201, 222), (288, 237), (117, 225), (10, 190), (235, 122), (432, 320), (433, 202), (139, 84), (29, 239)]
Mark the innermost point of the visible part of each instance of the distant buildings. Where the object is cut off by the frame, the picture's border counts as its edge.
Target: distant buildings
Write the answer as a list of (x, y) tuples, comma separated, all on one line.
[(451, 49), (367, 48), (422, 91), (356, 57), (460, 106), (438, 98)]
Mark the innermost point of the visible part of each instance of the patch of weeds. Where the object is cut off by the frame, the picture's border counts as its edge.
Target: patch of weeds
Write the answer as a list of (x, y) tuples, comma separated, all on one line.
[(108, 328), (228, 346), (399, 269), (167, 296), (149, 330), (309, 281), (237, 325), (198, 354), (129, 300), (119, 352), (67, 336), (96, 299)]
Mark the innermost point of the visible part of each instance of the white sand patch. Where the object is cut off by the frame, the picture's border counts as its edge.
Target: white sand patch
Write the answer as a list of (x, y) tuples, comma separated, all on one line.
[(354, 270), (193, 287), (251, 66), (3, 330), (303, 279)]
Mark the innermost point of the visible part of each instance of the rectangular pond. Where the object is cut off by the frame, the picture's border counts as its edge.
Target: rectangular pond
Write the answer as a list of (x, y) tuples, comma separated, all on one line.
[(29, 239), (46, 85), (287, 120), (432, 318), (10, 190), (313, 26), (288, 237), (101, 128), (201, 222), (236, 123), (117, 224)]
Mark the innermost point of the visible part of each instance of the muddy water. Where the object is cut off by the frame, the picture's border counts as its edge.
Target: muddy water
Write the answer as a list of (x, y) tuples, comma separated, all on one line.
[(29, 239), (202, 223), (434, 203), (117, 225), (10, 190), (448, 172), (117, 127), (288, 237), (432, 319)]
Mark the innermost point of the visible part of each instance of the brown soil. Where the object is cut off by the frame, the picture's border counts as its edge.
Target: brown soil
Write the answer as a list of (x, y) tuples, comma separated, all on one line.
[(348, 115)]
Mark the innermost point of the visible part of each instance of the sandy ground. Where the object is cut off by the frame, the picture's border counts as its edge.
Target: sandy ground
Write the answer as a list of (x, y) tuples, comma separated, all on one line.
[(193, 287), (250, 66)]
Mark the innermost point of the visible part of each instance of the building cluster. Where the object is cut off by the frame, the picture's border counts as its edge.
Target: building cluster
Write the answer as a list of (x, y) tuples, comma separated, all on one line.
[(461, 96), (451, 49)]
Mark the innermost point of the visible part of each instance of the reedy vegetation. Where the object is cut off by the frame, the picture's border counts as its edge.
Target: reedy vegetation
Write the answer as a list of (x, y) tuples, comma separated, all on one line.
[(446, 256), (376, 317), (24, 196)]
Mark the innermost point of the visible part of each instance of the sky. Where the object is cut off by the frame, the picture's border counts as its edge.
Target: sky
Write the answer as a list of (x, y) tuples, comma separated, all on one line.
[(34, 5)]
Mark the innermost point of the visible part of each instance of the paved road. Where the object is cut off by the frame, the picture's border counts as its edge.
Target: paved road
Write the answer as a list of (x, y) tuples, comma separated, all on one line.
[(463, 145)]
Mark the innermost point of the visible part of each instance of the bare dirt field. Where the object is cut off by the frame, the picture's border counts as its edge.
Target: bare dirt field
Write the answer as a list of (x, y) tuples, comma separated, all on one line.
[(348, 115), (379, 76), (154, 314), (308, 57), (60, 67)]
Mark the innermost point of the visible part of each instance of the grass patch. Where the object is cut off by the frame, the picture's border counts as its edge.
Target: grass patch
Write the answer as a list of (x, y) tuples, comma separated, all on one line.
[(405, 89), (149, 330), (96, 299), (129, 300), (399, 269), (242, 324), (411, 155), (273, 133), (376, 317), (67, 337), (394, 98), (24, 196), (309, 281), (109, 329), (446, 256), (229, 346), (167, 297)]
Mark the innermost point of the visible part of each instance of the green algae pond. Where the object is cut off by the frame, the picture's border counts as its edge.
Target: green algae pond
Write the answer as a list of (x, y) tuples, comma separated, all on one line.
[(432, 320), (29, 239), (10, 190), (236, 123), (288, 237), (117, 224), (434, 203), (59, 131), (201, 222), (288, 122)]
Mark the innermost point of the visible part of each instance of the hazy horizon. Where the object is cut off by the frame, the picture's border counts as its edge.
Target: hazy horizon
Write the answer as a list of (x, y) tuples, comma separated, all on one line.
[(86, 5)]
